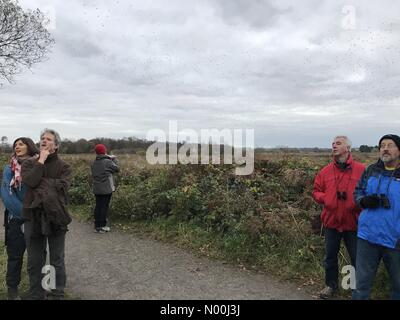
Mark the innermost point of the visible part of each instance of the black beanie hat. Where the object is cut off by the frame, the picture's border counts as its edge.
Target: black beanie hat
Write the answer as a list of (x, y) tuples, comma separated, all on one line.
[(395, 138)]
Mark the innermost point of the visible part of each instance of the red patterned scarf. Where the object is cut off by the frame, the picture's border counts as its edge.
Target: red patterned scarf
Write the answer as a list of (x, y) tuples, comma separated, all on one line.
[(16, 181)]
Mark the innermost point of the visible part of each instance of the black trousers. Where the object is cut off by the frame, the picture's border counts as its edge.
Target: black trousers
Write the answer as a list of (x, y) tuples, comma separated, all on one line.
[(15, 252), (101, 210), (36, 245), (333, 239)]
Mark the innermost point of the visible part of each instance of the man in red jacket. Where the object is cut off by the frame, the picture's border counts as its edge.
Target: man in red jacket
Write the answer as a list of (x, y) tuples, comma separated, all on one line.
[(333, 188)]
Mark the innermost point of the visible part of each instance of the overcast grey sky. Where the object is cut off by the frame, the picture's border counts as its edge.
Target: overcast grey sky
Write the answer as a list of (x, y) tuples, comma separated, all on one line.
[(297, 72)]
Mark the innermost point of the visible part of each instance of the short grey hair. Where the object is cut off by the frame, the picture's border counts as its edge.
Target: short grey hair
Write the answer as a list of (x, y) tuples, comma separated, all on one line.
[(346, 140), (57, 139)]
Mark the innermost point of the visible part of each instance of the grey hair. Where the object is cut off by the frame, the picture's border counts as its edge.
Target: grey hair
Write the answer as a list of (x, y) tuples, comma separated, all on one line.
[(57, 139), (346, 139)]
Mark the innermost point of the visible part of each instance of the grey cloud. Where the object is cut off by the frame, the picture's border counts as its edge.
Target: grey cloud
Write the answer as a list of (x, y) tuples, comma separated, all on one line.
[(257, 14), (81, 48)]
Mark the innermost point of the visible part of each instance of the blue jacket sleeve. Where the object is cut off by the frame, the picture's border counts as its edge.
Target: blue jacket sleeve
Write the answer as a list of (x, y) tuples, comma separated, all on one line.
[(9, 196), (361, 189)]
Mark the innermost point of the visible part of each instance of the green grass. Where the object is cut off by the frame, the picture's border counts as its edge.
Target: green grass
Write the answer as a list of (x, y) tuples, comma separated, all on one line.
[(23, 288)]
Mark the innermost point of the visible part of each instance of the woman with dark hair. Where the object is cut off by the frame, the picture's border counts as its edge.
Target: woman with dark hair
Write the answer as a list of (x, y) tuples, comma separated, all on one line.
[(12, 194)]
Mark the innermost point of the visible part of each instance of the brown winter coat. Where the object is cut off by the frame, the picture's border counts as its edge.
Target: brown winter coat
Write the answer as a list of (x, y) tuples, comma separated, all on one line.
[(45, 202)]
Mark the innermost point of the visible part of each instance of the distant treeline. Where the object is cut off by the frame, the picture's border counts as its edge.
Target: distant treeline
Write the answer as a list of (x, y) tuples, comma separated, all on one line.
[(125, 145), (292, 150), (365, 148), (362, 148), (129, 145), (135, 145)]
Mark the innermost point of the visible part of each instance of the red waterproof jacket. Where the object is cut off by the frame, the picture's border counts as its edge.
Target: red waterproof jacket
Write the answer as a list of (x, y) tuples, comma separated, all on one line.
[(338, 214)]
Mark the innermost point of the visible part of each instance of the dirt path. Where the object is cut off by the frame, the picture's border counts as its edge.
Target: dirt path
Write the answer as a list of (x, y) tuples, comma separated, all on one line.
[(119, 265)]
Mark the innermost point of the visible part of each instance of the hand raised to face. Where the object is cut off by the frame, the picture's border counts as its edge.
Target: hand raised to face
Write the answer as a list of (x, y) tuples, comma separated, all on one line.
[(44, 153)]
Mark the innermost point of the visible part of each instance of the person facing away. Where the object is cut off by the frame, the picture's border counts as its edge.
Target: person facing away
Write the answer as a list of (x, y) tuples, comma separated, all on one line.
[(47, 179), (333, 188), (12, 195), (378, 194), (103, 168)]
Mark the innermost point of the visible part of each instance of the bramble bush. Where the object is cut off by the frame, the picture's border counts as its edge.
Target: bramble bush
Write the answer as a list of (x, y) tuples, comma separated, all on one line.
[(210, 195)]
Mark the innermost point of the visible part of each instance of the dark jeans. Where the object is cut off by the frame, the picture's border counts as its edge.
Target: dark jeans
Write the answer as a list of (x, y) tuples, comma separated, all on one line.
[(15, 252), (37, 250), (369, 257), (101, 210), (332, 246)]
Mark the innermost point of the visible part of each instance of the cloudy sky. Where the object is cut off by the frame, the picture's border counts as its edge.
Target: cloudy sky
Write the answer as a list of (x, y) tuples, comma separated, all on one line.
[(297, 72)]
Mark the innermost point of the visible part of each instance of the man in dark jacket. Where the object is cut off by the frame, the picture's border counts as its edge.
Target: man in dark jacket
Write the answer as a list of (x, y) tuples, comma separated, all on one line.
[(333, 188), (103, 169), (378, 194), (47, 180)]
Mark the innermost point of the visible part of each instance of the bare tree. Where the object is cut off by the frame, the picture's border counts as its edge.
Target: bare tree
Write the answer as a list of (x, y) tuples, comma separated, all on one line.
[(24, 39), (4, 146), (4, 140)]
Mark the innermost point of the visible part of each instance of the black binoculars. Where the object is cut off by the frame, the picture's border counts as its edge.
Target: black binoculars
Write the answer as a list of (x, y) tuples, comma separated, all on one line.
[(383, 200), (341, 195)]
